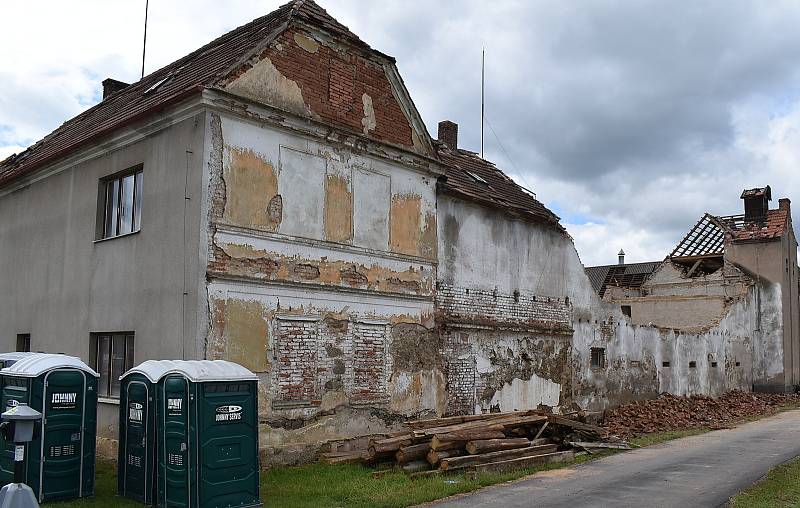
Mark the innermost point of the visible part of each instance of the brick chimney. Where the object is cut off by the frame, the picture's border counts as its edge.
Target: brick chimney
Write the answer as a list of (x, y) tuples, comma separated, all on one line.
[(448, 134), (785, 204), (111, 86), (756, 203)]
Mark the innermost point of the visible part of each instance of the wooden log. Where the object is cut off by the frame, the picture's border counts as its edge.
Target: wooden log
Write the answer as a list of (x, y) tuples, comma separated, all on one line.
[(506, 423), (417, 465), (412, 452), (540, 441), (595, 445), (344, 458), (485, 458), (539, 434), (511, 464), (453, 420), (390, 444), (438, 444), (493, 432), (580, 426), (495, 445), (434, 457)]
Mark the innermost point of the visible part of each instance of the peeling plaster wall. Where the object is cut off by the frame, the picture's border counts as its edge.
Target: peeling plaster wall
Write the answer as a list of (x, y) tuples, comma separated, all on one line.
[(310, 288), (503, 310), (309, 74)]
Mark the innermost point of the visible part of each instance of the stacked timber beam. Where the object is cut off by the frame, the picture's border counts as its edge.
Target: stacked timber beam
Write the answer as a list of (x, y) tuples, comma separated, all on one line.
[(486, 442)]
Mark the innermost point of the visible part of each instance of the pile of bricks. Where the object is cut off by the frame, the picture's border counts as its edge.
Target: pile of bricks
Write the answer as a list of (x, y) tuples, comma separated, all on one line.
[(670, 412)]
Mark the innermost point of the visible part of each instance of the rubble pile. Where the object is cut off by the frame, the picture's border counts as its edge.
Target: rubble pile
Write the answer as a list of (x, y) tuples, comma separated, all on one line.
[(669, 412), (486, 442)]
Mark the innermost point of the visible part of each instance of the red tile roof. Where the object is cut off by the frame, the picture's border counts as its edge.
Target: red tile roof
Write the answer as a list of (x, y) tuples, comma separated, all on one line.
[(476, 179), (773, 227), (169, 85)]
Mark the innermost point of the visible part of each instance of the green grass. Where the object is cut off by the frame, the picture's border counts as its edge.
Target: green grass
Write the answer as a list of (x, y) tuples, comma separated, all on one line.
[(660, 437), (780, 488), (319, 485)]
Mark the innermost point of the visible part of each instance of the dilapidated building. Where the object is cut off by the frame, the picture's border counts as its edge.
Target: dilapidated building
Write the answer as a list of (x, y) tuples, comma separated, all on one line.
[(727, 298), (275, 199)]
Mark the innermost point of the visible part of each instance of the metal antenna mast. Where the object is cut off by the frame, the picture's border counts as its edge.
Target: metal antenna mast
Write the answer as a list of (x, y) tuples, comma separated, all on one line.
[(483, 66), (144, 43)]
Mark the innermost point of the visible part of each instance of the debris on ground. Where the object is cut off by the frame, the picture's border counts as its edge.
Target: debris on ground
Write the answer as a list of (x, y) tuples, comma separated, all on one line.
[(485, 442), (670, 412)]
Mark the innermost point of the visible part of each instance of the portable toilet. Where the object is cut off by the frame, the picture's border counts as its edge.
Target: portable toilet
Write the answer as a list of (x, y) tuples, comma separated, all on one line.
[(60, 461), (9, 359), (188, 434)]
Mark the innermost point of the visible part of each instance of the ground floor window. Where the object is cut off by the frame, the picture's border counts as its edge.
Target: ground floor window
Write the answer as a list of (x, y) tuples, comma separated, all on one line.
[(24, 342), (113, 355)]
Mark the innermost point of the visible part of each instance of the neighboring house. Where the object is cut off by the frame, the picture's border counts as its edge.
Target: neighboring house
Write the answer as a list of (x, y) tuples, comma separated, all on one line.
[(274, 199)]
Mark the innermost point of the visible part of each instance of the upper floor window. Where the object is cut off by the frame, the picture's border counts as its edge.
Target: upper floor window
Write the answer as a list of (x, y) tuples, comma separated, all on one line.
[(122, 213)]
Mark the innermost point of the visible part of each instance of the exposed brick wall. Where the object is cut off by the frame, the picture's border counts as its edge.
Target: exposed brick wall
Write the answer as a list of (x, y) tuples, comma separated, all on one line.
[(333, 83), (296, 347), (369, 362), (460, 373), (493, 308)]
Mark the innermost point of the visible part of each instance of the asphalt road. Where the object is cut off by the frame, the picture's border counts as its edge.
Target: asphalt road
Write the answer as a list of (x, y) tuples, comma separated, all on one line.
[(698, 471)]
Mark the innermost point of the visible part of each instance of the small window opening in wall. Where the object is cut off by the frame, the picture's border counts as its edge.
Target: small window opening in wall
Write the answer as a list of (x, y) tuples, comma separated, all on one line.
[(24, 342), (566, 301), (626, 310), (714, 364), (516, 296), (738, 364), (598, 357), (467, 290), (665, 364), (692, 365)]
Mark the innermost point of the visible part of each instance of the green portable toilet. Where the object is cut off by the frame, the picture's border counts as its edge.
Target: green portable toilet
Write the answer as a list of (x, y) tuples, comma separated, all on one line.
[(188, 434), (60, 461), (9, 359)]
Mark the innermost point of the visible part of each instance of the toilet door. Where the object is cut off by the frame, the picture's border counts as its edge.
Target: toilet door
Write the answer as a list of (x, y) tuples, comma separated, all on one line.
[(174, 408), (137, 476)]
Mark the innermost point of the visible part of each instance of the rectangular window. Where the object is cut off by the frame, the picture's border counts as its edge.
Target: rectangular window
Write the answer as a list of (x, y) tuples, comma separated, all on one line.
[(626, 310), (692, 365), (122, 212), (113, 355), (665, 364), (24, 342), (598, 358)]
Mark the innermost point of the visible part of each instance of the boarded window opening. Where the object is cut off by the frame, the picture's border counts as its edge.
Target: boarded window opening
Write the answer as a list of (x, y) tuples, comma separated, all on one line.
[(598, 357)]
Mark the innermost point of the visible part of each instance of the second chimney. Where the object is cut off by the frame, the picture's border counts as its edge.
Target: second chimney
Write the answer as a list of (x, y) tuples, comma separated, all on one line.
[(112, 86), (621, 255), (448, 134)]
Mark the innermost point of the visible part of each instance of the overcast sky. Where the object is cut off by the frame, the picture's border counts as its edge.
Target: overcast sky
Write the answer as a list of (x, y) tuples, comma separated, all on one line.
[(628, 119)]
